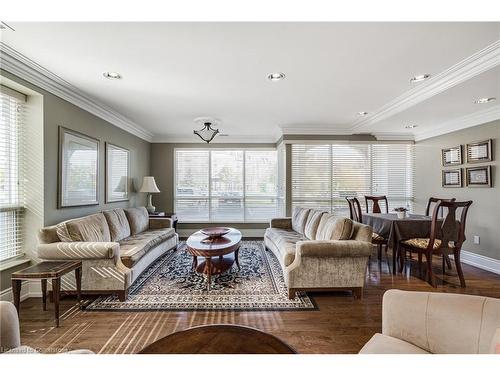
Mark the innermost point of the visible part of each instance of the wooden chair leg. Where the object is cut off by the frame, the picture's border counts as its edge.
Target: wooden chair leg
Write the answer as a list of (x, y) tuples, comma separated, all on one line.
[(430, 274), (379, 247), (402, 257), (420, 261), (448, 261), (458, 264)]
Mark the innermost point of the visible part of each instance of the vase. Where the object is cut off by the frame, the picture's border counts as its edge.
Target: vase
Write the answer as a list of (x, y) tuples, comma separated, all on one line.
[(401, 214)]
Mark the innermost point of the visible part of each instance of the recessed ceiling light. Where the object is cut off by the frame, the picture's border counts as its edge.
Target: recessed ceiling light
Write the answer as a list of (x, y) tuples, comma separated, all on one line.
[(411, 126), (420, 78), (484, 100), (112, 75), (276, 76), (362, 113)]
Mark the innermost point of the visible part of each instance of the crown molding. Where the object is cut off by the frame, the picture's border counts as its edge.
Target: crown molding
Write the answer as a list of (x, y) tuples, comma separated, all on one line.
[(468, 68), (172, 138), (316, 130), (28, 70), (467, 121)]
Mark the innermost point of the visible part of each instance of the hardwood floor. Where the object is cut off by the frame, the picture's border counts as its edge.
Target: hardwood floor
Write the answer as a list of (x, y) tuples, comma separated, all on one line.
[(341, 325)]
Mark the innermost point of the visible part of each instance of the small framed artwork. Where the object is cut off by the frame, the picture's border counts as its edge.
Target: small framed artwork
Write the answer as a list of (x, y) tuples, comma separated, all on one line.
[(452, 178), (117, 173), (478, 152), (78, 169), (478, 176), (451, 156)]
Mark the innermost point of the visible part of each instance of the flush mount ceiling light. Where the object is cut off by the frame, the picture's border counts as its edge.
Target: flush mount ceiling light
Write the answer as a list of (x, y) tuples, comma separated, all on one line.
[(362, 113), (276, 76), (420, 78), (411, 126), (112, 75), (484, 100), (207, 133)]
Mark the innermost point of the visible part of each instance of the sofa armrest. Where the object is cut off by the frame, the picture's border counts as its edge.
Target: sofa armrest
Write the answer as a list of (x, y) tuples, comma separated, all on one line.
[(160, 223), (281, 223), (79, 250), (333, 249)]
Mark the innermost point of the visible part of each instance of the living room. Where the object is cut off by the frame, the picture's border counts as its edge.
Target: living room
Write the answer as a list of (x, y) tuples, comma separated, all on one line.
[(244, 185)]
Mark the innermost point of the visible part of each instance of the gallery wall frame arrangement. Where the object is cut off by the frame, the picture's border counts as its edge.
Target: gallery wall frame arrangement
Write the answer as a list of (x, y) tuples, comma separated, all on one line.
[(478, 176), (451, 156), (117, 173), (479, 151), (78, 177), (452, 178)]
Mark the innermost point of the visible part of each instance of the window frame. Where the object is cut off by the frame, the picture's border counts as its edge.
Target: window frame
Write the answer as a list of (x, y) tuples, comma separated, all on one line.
[(209, 196)]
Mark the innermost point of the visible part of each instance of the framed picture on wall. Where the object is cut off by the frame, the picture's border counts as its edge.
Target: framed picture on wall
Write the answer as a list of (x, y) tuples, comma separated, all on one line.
[(451, 156), (117, 173), (78, 169), (452, 178), (478, 152), (479, 176)]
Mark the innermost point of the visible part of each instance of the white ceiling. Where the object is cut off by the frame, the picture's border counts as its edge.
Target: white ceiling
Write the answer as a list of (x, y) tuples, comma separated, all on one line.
[(175, 72)]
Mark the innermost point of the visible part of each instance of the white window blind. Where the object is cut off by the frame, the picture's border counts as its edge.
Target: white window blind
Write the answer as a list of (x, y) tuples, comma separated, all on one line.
[(223, 185), (323, 175), (11, 193)]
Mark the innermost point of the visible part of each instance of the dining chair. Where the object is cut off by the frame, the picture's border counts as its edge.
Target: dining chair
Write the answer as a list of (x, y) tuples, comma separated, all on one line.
[(432, 201), (356, 215), (375, 205), (446, 238)]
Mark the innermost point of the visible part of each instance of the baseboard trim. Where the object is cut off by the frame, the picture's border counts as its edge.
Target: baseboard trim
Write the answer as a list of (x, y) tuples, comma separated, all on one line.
[(29, 289), (480, 261)]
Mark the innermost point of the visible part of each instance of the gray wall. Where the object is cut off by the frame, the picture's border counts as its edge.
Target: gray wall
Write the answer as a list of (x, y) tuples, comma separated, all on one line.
[(484, 214), (56, 112)]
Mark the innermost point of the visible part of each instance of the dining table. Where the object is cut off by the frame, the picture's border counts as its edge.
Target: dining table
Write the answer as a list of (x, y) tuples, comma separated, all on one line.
[(395, 229)]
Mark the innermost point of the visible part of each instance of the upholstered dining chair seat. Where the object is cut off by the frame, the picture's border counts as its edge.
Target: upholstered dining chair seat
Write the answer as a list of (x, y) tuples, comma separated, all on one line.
[(422, 243), (377, 237)]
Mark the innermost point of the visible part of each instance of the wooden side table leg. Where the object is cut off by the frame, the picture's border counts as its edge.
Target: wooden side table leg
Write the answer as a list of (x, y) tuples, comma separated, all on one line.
[(56, 291), (44, 294), (209, 272), (16, 292), (237, 259), (78, 276)]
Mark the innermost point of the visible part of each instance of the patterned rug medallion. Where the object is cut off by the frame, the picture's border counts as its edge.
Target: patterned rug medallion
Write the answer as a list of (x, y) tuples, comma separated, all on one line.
[(169, 284)]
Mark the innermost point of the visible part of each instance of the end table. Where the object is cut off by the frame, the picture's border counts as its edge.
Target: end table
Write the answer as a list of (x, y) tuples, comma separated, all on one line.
[(44, 271)]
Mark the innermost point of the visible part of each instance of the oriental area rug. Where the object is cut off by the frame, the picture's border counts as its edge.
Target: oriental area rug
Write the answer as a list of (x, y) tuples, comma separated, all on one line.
[(170, 284)]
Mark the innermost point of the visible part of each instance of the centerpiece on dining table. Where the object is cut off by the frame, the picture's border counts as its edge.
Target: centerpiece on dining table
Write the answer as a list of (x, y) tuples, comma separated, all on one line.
[(401, 212)]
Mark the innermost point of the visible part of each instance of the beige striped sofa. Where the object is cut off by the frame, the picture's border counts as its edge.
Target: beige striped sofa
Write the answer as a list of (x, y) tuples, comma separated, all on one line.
[(115, 247), (320, 252)]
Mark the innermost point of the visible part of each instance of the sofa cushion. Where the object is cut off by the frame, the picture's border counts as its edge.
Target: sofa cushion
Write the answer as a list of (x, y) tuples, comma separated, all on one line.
[(495, 342), (285, 241), (333, 228), (382, 344), (312, 224), (118, 224), (299, 219), (133, 248), (138, 219), (92, 228)]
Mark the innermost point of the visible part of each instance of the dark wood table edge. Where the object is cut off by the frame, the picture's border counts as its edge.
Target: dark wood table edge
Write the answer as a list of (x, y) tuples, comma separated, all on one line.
[(228, 326)]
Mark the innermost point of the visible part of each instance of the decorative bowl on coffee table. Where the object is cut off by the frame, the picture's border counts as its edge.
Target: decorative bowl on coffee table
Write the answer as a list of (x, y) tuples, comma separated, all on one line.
[(215, 232)]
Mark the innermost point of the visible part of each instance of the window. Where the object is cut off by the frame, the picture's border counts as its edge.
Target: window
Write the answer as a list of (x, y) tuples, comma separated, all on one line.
[(225, 185), (324, 175), (11, 192)]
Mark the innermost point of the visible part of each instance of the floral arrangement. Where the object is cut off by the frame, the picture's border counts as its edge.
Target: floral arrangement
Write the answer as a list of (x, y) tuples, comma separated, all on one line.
[(400, 209)]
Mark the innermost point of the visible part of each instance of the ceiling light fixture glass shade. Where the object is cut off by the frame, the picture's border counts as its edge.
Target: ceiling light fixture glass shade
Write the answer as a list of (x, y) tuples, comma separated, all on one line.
[(420, 78), (411, 126), (112, 75), (207, 133), (362, 113), (276, 76), (484, 100)]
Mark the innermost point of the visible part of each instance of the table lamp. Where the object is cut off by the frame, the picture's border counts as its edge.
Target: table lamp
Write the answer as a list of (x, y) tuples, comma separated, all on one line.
[(149, 186)]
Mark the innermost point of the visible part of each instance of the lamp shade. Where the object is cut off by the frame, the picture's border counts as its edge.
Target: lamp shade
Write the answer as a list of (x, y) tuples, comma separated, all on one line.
[(149, 185)]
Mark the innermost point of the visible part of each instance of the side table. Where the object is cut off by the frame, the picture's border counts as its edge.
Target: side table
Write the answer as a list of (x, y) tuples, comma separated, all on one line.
[(44, 271)]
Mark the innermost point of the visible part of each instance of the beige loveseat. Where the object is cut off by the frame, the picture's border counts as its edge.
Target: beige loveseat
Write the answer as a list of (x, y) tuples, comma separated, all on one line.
[(318, 251), (440, 323), (115, 247)]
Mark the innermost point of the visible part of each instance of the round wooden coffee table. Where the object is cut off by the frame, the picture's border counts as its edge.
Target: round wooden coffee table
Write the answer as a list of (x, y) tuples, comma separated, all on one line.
[(220, 253), (219, 339)]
